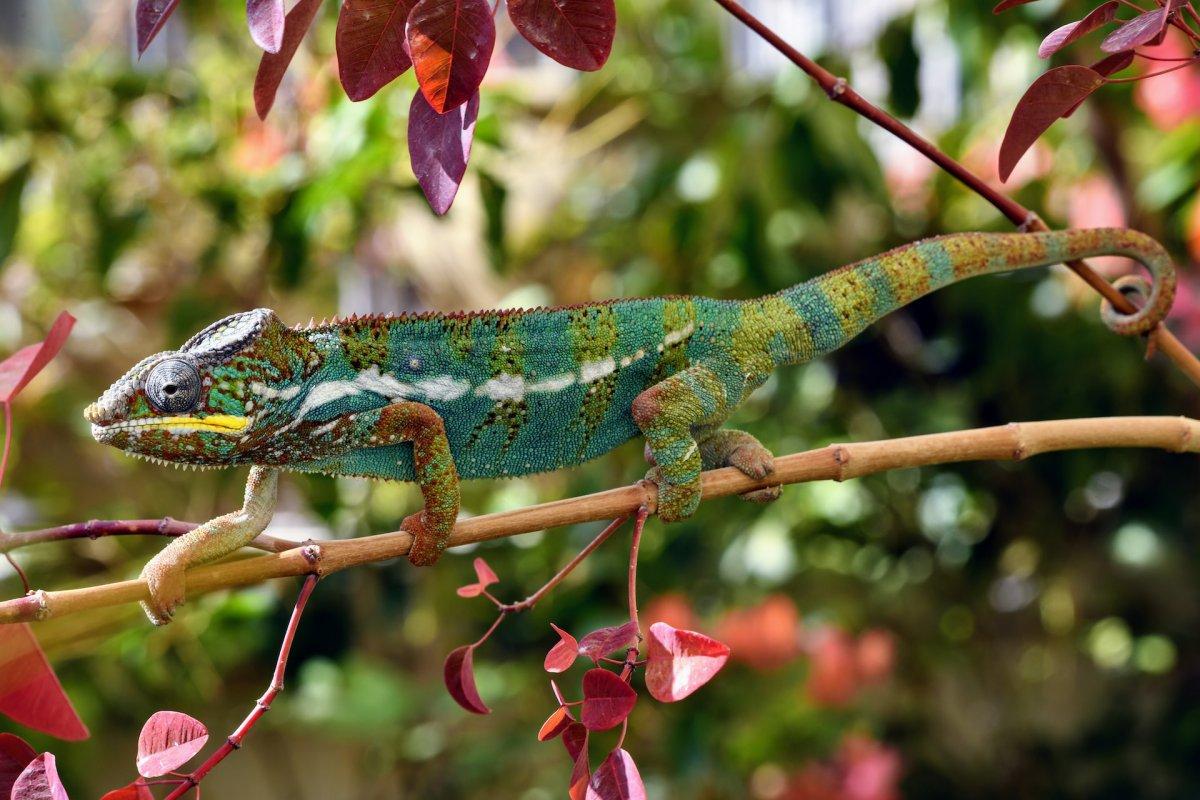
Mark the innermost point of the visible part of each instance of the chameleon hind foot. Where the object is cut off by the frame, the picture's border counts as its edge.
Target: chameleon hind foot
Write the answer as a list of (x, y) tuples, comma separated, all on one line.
[(675, 501), (428, 542), (731, 448)]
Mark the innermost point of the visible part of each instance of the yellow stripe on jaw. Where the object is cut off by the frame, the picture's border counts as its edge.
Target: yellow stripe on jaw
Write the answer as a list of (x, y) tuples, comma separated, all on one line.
[(213, 423)]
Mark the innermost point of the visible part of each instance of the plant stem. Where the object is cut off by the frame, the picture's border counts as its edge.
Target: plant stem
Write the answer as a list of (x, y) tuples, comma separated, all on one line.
[(841, 92), (1136, 78), (639, 525), (261, 707), (531, 601), (97, 528)]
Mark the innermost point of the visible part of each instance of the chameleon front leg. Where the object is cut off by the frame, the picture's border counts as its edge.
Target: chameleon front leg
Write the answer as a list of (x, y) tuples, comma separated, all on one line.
[(436, 475), (164, 574)]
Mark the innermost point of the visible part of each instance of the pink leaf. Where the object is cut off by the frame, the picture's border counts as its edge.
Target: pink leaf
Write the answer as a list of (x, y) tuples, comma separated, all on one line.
[(1005, 5), (680, 662), (168, 740), (562, 655), (371, 47), (1140, 30), (150, 16), (450, 43), (15, 755), (616, 778), (1072, 31), (272, 66), (1051, 95), (607, 700), (484, 573), (575, 33), (439, 146), (20, 368), (266, 19), (134, 791), (470, 590), (30, 692), (459, 673), (39, 781), (599, 643), (555, 724)]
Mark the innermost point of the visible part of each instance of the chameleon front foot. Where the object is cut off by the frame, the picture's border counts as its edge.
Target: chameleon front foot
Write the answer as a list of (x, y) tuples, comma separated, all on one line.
[(428, 540), (675, 501), (164, 578)]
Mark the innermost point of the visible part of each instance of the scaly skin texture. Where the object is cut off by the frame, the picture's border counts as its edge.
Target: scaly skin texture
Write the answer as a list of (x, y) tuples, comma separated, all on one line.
[(432, 398)]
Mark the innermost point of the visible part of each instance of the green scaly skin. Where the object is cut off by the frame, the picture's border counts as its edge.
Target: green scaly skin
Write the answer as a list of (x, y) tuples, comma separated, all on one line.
[(431, 398)]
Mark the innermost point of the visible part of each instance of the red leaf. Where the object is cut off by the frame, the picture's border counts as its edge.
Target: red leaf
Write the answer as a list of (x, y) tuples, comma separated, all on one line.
[(555, 724), (1140, 30), (575, 740), (680, 662), (15, 755), (29, 690), (450, 42), (562, 655), (616, 778), (168, 740), (134, 791), (39, 781), (20, 368), (371, 47), (484, 573), (575, 33), (599, 643), (1053, 94), (150, 16), (607, 700), (1005, 5), (439, 146), (1113, 64), (470, 590), (581, 771), (459, 673), (272, 65), (1072, 31), (265, 18)]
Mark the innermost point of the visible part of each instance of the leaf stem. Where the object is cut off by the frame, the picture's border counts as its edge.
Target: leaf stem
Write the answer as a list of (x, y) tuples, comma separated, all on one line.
[(1136, 78), (532, 600)]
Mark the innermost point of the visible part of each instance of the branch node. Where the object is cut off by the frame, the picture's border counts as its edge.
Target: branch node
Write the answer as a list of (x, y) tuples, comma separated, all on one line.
[(1020, 449), (650, 502), (163, 525), (1032, 222), (313, 555), (42, 599), (841, 457), (837, 88)]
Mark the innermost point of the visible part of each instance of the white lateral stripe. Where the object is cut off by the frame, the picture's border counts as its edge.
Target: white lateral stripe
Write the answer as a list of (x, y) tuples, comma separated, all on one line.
[(286, 393), (590, 371), (555, 383), (503, 387), (443, 387), (675, 337)]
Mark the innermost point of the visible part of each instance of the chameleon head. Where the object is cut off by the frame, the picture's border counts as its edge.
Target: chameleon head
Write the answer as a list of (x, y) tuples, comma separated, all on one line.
[(195, 405)]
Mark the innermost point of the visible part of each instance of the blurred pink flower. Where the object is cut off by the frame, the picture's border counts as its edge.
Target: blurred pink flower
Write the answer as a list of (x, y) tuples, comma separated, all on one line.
[(765, 636), (1095, 202), (862, 769), (1171, 99)]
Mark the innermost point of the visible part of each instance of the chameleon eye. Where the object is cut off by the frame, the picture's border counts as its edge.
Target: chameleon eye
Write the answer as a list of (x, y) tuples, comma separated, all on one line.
[(173, 385)]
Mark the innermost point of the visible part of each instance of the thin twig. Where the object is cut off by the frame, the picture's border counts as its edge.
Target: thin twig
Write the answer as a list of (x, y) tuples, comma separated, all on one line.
[(532, 600), (262, 706), (98, 528), (841, 92), (833, 462)]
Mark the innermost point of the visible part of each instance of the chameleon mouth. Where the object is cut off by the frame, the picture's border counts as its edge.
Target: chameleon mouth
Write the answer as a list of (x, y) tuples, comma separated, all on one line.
[(226, 424)]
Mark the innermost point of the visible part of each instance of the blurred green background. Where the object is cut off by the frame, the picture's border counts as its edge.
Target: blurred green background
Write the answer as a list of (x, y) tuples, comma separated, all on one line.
[(983, 630)]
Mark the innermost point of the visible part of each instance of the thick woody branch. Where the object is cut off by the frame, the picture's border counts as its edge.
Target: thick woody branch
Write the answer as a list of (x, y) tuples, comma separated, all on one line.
[(841, 92), (1014, 441)]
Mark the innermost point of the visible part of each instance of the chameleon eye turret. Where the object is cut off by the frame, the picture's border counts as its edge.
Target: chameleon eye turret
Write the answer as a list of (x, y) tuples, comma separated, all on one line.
[(173, 385)]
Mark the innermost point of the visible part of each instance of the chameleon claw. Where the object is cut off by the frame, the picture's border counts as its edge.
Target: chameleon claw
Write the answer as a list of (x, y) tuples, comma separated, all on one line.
[(165, 580), (427, 545)]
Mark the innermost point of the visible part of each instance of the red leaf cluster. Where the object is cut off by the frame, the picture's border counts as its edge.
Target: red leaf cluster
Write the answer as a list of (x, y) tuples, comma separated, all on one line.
[(169, 739), (484, 577)]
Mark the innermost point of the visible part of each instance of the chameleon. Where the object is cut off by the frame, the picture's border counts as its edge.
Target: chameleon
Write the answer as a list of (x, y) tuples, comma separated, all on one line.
[(434, 398)]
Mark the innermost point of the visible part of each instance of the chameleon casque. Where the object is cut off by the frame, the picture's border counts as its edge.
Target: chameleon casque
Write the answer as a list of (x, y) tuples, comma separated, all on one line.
[(433, 398)]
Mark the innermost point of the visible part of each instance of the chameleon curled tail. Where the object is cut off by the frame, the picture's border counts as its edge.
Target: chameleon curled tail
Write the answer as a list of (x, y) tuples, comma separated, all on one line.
[(820, 315)]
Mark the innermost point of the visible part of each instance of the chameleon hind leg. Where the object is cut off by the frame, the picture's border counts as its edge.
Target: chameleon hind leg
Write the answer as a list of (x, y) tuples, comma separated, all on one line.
[(732, 448), (679, 418), (164, 574)]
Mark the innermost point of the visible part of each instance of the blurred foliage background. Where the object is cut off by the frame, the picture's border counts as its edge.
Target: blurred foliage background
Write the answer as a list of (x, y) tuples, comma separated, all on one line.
[(979, 630)]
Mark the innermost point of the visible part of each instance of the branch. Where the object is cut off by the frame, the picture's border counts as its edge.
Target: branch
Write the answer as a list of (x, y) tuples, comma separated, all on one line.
[(1014, 441), (841, 92), (98, 528)]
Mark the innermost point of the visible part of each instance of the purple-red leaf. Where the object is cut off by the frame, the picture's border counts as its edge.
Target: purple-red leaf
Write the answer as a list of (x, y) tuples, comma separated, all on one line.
[(459, 672), (1140, 30), (39, 781), (15, 755), (680, 662), (1051, 95), (450, 43), (265, 18), (29, 690), (168, 740), (1005, 5), (562, 655), (599, 643), (555, 724), (134, 791), (20, 368), (575, 33), (1106, 66), (371, 47), (1060, 38), (575, 739), (272, 66), (439, 146), (616, 778), (150, 16), (607, 700)]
